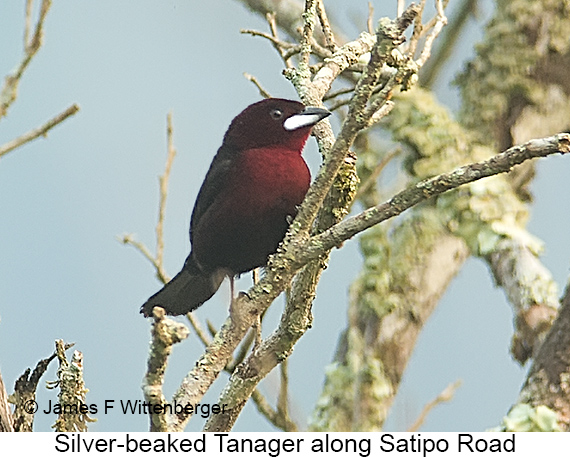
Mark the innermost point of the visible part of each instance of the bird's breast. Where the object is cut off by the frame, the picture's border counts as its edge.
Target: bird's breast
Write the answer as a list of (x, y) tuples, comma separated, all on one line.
[(271, 180), (250, 216)]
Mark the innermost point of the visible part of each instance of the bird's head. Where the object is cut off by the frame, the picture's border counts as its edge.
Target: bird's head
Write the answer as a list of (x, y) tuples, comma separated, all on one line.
[(273, 121)]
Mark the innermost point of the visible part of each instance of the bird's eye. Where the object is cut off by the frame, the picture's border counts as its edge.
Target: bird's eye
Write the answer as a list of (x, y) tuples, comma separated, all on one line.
[(276, 114)]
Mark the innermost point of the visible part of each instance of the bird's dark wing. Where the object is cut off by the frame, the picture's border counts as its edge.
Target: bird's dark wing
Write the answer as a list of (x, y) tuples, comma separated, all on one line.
[(213, 183)]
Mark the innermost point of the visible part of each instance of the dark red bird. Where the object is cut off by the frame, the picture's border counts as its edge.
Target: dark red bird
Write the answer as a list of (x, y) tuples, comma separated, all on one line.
[(250, 193)]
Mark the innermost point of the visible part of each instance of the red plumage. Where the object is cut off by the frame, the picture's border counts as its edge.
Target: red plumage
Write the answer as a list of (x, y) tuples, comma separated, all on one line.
[(250, 193)]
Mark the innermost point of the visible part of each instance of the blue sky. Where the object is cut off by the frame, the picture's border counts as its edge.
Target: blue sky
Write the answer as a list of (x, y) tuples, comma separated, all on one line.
[(65, 199)]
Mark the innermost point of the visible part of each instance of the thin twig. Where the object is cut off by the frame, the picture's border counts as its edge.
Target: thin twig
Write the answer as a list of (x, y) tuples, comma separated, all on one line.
[(445, 396), (274, 40), (279, 417), (273, 416), (371, 180), (207, 339), (163, 184), (6, 421), (326, 27), (400, 8), (35, 42), (157, 259), (39, 131), (431, 23), (9, 91), (211, 328), (270, 17), (197, 326), (28, 23), (141, 247), (370, 20), (448, 41), (441, 20), (257, 84), (333, 94), (417, 31), (283, 398)]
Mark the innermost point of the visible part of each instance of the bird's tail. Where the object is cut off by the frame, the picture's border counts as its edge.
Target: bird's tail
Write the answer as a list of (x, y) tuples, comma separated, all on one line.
[(186, 291)]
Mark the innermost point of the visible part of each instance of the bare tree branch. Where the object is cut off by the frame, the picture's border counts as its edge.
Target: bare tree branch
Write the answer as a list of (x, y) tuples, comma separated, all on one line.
[(501, 163), (163, 181), (306, 253), (39, 131), (207, 368), (299, 248), (9, 91), (287, 12), (326, 27), (277, 419), (157, 259), (24, 396), (261, 295), (165, 333), (6, 423), (408, 265), (529, 287), (445, 396), (257, 84), (548, 381), (74, 417)]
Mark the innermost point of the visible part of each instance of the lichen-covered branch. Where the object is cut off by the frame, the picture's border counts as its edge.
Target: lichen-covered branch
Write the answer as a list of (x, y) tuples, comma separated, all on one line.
[(521, 67), (297, 317), (24, 395), (295, 321), (546, 392), (391, 301), (405, 273), (288, 260), (165, 333), (281, 268), (522, 58), (409, 265), (530, 288), (500, 163), (489, 216), (388, 37), (299, 247), (73, 416)]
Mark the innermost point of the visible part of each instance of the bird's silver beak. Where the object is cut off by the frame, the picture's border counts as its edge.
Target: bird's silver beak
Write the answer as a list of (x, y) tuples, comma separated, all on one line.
[(306, 118)]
